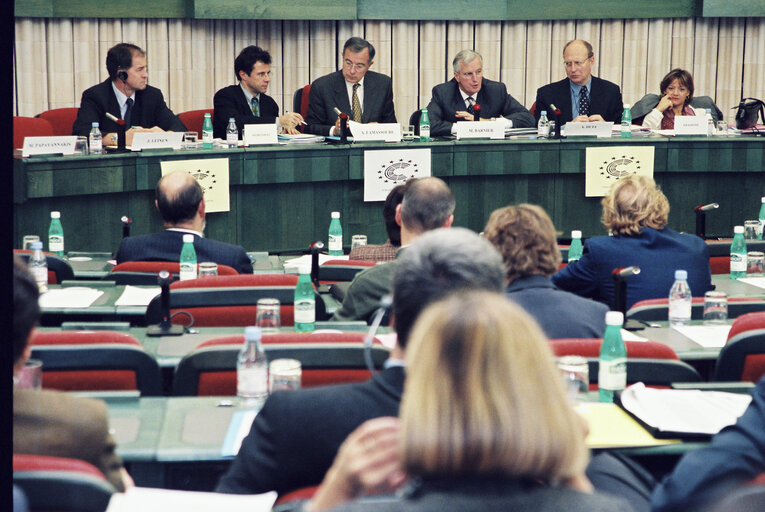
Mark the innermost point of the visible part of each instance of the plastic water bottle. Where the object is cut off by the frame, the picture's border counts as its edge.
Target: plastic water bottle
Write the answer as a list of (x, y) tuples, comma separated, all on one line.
[(575, 250), (680, 300), (543, 126), (711, 130), (761, 226), (626, 122), (305, 302), (188, 258), (56, 235), (95, 140), (207, 132), (612, 364), (424, 126), (38, 266), (232, 133), (252, 369), (738, 254), (335, 245)]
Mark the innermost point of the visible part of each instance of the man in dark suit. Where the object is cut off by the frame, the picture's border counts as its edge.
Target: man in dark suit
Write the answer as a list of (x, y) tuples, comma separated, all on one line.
[(366, 96), (455, 100), (125, 95), (295, 437), (248, 102), (580, 97), (180, 201)]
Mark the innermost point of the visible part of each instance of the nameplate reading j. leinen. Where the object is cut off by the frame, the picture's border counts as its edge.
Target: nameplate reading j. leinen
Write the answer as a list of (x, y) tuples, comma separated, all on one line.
[(388, 132), (480, 130), (63, 144), (156, 140)]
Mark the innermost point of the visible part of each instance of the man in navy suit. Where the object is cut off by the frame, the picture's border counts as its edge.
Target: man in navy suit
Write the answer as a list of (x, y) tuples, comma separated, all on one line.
[(454, 100), (580, 97), (248, 102), (180, 201), (126, 95), (366, 96)]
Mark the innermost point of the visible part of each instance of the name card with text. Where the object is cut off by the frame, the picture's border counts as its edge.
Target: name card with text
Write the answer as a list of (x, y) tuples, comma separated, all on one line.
[(259, 134), (63, 144), (690, 125), (599, 129), (480, 130), (388, 132), (156, 140)]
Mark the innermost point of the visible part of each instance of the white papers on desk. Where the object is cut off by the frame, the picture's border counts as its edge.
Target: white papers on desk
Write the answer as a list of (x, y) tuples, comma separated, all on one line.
[(238, 428), (137, 296), (306, 260), (70, 297), (631, 336), (708, 336), (759, 282), (300, 138), (148, 499), (684, 410)]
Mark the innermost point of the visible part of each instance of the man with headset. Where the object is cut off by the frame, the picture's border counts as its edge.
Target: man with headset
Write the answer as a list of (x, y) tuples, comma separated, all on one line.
[(125, 95), (296, 434)]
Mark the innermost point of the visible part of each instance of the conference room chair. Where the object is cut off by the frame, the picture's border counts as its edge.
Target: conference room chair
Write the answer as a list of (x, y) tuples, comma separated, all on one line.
[(333, 271), (58, 268), (719, 265), (414, 120), (289, 501), (653, 363), (61, 119), (145, 272), (194, 119), (325, 357), (653, 310), (533, 109), (743, 356), (300, 102), (29, 127), (61, 484), (95, 361)]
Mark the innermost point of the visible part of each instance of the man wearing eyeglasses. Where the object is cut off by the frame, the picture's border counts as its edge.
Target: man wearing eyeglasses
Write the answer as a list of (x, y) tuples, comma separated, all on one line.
[(365, 96), (456, 99), (580, 97)]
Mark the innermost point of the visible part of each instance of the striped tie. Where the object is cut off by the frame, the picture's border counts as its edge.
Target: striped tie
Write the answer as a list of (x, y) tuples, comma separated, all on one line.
[(356, 104)]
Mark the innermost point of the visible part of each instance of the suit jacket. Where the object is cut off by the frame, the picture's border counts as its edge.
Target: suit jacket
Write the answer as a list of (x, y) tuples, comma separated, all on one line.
[(446, 100), (60, 425), (330, 91), (363, 296), (605, 99), (148, 110), (167, 245), (231, 102), (560, 314), (658, 253), (295, 437)]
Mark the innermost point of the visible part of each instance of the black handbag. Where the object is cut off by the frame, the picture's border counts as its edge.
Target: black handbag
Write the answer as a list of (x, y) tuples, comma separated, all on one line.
[(750, 111)]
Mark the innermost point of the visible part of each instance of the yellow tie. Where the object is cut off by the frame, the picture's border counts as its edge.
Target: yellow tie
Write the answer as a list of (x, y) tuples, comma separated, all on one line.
[(356, 104)]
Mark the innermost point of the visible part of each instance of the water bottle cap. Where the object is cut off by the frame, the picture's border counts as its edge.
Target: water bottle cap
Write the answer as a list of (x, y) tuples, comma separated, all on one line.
[(36, 245), (576, 234), (94, 124), (231, 120), (335, 215), (626, 105), (252, 332), (188, 239), (614, 318), (681, 274), (763, 199), (207, 114), (709, 111), (425, 109), (736, 229), (57, 215), (544, 113)]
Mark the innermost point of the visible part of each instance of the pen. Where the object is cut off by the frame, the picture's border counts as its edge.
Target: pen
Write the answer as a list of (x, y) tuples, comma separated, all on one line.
[(301, 122)]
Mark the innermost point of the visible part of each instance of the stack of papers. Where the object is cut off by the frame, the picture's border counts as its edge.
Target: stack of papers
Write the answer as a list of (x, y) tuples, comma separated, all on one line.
[(137, 296), (306, 260), (301, 138), (148, 499), (708, 336), (70, 297)]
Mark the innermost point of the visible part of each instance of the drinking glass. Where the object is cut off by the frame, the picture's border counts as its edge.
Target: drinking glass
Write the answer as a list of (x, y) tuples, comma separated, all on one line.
[(358, 240), (407, 131), (208, 268), (190, 140), (81, 146), (755, 264), (750, 229), (27, 241), (30, 376), (722, 128), (576, 375), (284, 374), (715, 307), (269, 317)]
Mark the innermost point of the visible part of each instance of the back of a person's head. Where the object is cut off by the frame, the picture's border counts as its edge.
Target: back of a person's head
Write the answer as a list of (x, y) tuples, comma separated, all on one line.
[(483, 395), (634, 203), (394, 198), (440, 262), (427, 204), (526, 237), (178, 196), (26, 310)]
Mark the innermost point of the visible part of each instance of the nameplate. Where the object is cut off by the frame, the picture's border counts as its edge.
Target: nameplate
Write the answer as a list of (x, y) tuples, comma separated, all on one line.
[(63, 144), (156, 140), (599, 129), (255, 134), (480, 130), (388, 132), (690, 125)]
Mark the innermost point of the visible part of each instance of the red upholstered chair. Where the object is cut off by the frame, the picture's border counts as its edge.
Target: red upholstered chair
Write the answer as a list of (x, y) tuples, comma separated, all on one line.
[(533, 108), (326, 358), (29, 127), (145, 272), (58, 268), (61, 119), (289, 500), (658, 309), (194, 119), (300, 103), (743, 356), (719, 264), (333, 271), (61, 484), (95, 361)]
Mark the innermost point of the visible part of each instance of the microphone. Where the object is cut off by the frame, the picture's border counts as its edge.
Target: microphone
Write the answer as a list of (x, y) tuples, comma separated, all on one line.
[(706, 207), (555, 133), (125, 226), (165, 328), (620, 276), (476, 112), (315, 248), (385, 304), (624, 272), (701, 218)]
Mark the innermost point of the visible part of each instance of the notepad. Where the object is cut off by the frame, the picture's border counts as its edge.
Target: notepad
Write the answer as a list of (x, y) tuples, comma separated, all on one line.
[(69, 297), (137, 296), (708, 336), (611, 427), (148, 499)]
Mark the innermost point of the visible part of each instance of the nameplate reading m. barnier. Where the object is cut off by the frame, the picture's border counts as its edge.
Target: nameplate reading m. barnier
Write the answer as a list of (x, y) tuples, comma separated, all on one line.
[(480, 130), (156, 140), (388, 132), (259, 134), (63, 144)]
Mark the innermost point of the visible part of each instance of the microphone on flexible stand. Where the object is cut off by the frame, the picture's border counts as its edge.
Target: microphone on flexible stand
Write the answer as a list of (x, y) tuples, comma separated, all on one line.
[(121, 128), (701, 218), (620, 276), (165, 328), (125, 226), (556, 113), (385, 304), (316, 248)]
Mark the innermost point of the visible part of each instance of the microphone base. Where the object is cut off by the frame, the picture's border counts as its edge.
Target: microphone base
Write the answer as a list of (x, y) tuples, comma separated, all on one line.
[(632, 325), (159, 330), (116, 150)]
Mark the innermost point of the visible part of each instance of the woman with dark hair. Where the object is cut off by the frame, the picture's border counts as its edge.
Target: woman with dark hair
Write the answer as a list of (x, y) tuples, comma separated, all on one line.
[(676, 94)]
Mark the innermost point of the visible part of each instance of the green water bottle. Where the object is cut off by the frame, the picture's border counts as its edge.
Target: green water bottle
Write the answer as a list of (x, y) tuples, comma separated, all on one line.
[(612, 364), (207, 132), (424, 126), (188, 258), (761, 227), (305, 302), (626, 122), (335, 241), (575, 250), (738, 254), (56, 235)]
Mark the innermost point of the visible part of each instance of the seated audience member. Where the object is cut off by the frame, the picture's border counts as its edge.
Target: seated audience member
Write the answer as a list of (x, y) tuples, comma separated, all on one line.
[(525, 236), (386, 251), (180, 202), (485, 423), (295, 437), (677, 92), (635, 211), (49, 422), (454, 100)]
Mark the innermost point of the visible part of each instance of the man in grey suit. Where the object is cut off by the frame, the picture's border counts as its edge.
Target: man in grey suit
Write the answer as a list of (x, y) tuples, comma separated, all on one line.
[(366, 96)]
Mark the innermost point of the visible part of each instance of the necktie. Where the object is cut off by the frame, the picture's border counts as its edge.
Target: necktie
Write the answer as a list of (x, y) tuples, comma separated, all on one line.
[(255, 106), (356, 104), (128, 112), (471, 102), (584, 102)]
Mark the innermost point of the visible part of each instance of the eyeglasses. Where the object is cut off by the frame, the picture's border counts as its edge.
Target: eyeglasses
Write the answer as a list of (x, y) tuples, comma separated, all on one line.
[(471, 74), (576, 63), (357, 67)]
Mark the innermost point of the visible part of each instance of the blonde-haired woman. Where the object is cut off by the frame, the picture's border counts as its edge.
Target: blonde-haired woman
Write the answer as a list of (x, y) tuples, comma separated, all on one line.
[(484, 423)]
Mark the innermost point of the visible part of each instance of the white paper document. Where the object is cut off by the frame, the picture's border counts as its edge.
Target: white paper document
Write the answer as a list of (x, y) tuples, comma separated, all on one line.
[(238, 428), (137, 296), (708, 336), (759, 282), (70, 297), (306, 260), (631, 336), (148, 499)]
